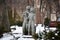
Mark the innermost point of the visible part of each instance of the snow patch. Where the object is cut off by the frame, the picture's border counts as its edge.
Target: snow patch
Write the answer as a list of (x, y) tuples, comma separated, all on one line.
[(18, 30), (39, 28)]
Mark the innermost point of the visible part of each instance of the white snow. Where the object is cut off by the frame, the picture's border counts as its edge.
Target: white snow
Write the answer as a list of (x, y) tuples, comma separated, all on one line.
[(18, 30), (14, 26), (18, 33), (25, 39), (52, 28), (6, 37), (27, 36), (39, 28)]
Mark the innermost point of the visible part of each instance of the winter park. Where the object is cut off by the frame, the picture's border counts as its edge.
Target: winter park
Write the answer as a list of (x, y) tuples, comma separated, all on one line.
[(29, 19)]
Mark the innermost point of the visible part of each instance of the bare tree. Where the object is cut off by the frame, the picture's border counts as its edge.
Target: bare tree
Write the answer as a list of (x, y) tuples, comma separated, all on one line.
[(4, 20)]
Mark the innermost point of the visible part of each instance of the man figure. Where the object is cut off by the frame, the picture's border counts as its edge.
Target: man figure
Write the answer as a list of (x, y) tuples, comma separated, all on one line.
[(31, 21), (26, 20)]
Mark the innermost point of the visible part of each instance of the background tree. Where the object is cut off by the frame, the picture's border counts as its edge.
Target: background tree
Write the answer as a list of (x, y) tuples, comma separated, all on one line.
[(4, 21), (11, 19)]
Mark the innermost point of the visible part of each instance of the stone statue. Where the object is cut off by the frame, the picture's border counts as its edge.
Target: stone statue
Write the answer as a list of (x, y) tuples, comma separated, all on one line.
[(26, 20), (29, 21)]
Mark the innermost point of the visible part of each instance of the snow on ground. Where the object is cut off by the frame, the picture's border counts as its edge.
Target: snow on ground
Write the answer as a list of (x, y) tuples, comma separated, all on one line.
[(18, 33), (6, 36), (14, 26), (52, 28), (18, 30), (27, 36), (39, 28), (25, 39)]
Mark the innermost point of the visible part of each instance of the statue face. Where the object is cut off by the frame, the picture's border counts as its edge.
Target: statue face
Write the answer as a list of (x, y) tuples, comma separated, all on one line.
[(28, 7), (32, 9)]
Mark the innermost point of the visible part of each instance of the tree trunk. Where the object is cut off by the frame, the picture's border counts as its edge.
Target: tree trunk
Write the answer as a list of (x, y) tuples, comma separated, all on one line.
[(4, 20)]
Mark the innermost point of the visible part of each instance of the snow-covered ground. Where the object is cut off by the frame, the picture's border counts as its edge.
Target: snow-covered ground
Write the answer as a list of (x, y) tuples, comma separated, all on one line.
[(17, 33), (6, 37), (25, 39), (18, 29), (40, 28)]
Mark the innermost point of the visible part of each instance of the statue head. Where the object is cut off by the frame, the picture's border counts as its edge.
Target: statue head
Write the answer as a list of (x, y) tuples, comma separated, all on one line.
[(31, 9), (28, 8)]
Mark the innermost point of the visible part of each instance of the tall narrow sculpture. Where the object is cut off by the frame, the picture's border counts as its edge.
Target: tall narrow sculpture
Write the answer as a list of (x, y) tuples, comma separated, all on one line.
[(26, 20), (29, 18), (31, 27)]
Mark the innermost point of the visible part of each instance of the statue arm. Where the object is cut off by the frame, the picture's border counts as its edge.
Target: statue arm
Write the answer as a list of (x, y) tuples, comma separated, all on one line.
[(34, 15), (24, 14)]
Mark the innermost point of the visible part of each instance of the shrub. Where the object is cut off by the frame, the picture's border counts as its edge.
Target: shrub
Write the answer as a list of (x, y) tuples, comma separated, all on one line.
[(49, 35), (35, 36), (19, 23), (1, 36), (46, 22), (58, 26)]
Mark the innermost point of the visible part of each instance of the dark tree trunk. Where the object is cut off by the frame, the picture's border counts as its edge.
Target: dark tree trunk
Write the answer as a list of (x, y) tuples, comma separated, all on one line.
[(4, 20)]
